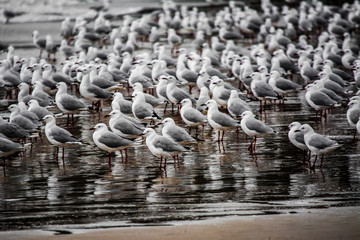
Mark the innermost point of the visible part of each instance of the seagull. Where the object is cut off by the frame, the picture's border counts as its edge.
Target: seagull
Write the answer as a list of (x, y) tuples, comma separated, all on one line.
[(319, 100), (191, 116), (161, 90), (17, 118), (254, 127), (8, 14), (154, 101), (218, 120), (353, 114), (8, 147), (110, 141), (161, 146), (262, 90), (48, 73), (297, 138), (121, 104), (30, 115), (67, 103), (58, 136), (203, 97), (38, 42), (125, 126), (12, 130), (24, 96), (141, 109), (174, 132), (281, 85), (174, 40), (235, 105), (174, 93), (40, 111), (90, 91), (317, 143)]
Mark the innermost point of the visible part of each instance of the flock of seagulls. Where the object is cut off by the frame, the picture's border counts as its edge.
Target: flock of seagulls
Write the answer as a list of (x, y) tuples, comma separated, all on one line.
[(207, 65)]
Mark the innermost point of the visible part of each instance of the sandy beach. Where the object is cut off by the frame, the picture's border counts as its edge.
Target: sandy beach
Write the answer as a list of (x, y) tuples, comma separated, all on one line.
[(332, 223)]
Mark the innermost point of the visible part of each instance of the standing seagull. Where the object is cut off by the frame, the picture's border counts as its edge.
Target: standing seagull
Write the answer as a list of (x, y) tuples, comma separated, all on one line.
[(235, 105), (161, 146), (67, 103), (174, 40), (191, 116), (143, 110), (174, 132), (90, 91), (39, 42), (317, 143), (218, 120), (297, 138), (58, 136), (174, 93), (125, 126), (110, 141), (254, 127)]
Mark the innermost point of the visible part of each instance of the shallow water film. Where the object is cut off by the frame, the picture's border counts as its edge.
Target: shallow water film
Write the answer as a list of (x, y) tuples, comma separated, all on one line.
[(212, 179)]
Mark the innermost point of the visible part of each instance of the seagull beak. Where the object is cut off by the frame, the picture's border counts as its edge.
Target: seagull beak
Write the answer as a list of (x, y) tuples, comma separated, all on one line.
[(92, 128)]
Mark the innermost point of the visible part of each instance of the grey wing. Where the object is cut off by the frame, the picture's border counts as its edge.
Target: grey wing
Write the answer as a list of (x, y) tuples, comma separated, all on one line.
[(194, 116), (299, 137), (179, 134), (99, 93), (114, 141), (258, 126), (61, 135), (71, 103), (24, 123), (322, 99), (127, 127), (286, 85), (264, 90), (7, 145), (167, 144), (237, 107), (225, 95), (189, 76), (320, 142), (143, 111), (180, 94), (224, 120), (311, 73)]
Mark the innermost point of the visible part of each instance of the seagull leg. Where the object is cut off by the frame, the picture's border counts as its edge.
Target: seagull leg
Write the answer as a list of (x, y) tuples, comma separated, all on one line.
[(223, 133), (165, 107), (250, 146), (63, 157), (172, 108), (109, 162), (126, 155), (72, 121), (4, 166), (322, 160), (57, 155), (254, 143), (354, 138), (313, 167), (164, 163)]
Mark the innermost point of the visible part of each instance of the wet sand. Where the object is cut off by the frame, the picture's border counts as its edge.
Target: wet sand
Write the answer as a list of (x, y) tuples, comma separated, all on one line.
[(332, 223)]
